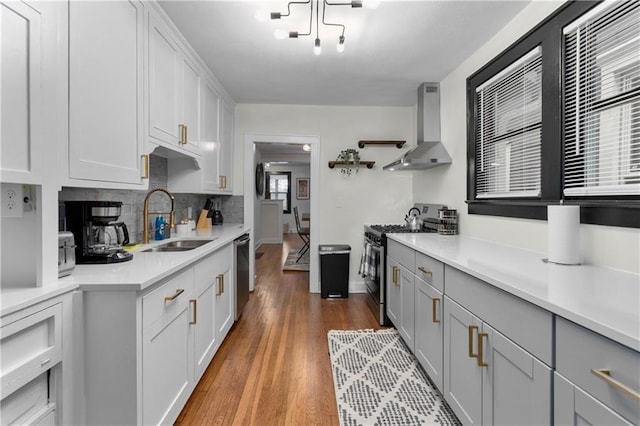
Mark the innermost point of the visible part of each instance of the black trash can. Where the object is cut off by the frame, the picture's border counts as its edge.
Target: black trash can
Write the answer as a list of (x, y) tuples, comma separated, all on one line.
[(334, 270)]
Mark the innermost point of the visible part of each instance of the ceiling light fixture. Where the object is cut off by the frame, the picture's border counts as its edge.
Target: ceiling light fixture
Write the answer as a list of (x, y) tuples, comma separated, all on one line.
[(317, 47)]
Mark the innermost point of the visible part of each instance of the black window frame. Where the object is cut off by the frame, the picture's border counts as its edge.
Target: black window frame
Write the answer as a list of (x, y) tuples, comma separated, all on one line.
[(268, 188), (623, 211)]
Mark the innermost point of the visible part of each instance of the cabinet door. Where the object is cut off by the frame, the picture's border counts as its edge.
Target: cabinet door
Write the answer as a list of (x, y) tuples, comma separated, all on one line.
[(167, 366), (164, 58), (510, 368), (210, 137), (105, 91), (190, 116), (224, 304), (226, 147), (407, 307), (393, 291), (573, 406), (225, 286), (203, 326), (429, 330), (20, 79), (462, 376)]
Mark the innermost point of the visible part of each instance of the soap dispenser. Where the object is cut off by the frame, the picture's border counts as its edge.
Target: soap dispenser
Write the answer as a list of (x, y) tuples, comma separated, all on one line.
[(160, 228)]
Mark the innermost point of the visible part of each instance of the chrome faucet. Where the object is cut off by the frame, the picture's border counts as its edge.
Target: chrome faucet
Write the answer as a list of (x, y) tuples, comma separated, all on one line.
[(146, 213)]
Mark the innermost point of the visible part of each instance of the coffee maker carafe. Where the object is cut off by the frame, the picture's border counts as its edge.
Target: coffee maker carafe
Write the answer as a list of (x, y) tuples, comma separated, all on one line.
[(99, 236)]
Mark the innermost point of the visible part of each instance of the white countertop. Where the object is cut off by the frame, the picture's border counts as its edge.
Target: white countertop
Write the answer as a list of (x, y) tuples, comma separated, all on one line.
[(145, 269), (604, 300)]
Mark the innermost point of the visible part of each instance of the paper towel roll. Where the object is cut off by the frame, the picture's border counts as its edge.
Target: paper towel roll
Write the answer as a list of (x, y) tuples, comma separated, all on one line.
[(564, 234)]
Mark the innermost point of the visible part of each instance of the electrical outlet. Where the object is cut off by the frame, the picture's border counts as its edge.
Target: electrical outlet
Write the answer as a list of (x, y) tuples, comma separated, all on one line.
[(12, 204)]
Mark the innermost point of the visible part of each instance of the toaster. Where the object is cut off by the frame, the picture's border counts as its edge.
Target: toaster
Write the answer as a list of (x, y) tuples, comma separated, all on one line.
[(66, 253)]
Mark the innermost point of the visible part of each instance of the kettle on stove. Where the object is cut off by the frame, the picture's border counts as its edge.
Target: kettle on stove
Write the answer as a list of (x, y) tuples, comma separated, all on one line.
[(414, 223)]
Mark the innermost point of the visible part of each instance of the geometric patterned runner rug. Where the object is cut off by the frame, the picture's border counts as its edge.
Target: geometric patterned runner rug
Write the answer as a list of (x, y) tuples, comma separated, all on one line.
[(378, 381)]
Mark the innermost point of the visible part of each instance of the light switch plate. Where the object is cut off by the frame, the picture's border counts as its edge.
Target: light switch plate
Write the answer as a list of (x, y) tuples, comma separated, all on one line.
[(12, 204)]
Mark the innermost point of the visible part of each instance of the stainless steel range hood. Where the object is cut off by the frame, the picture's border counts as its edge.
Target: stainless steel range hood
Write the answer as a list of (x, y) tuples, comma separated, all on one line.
[(430, 151)]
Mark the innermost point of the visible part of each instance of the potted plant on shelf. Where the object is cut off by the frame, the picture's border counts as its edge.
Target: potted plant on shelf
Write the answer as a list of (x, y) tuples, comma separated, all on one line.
[(351, 157)]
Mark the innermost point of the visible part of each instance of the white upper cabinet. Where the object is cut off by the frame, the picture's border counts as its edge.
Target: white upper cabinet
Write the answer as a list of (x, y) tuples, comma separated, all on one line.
[(210, 137), (226, 147), (105, 93), (174, 92), (20, 124)]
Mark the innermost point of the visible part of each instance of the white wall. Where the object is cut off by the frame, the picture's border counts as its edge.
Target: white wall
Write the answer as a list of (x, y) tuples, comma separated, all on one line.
[(614, 247), (303, 206), (346, 202)]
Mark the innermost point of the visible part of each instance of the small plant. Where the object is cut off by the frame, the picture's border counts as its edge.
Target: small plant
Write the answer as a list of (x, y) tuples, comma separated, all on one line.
[(350, 156)]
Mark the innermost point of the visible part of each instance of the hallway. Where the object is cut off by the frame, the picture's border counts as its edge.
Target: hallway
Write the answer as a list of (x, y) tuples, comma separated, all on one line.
[(273, 368)]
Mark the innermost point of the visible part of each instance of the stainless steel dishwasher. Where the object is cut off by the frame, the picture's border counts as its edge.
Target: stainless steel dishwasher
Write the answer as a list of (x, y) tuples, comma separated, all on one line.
[(242, 273)]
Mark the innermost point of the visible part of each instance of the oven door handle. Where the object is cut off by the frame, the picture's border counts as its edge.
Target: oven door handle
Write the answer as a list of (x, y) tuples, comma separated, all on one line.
[(374, 246)]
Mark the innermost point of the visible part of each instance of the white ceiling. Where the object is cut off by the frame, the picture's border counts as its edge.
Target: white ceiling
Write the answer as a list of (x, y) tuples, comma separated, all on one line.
[(389, 51)]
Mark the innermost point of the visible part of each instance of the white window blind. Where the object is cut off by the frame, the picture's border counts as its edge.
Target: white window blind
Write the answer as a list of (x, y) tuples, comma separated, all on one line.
[(602, 102), (508, 130)]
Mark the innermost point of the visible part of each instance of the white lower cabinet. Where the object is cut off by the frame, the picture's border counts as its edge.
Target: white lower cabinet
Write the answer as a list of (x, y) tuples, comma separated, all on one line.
[(401, 291), (36, 364), (146, 351)]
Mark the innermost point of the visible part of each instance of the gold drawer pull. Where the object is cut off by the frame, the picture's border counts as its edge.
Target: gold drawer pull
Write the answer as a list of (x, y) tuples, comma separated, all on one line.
[(434, 314), (424, 271), (194, 303), (183, 134), (220, 279), (471, 329), (145, 160), (605, 374), (172, 298), (481, 362)]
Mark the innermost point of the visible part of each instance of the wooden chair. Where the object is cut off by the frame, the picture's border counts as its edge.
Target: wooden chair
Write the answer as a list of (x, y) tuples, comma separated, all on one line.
[(303, 233)]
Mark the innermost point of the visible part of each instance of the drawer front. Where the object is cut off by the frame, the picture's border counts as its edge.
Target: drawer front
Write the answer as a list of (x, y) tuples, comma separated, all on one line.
[(168, 299), (430, 270), (533, 329), (30, 346), (28, 404), (205, 273), (404, 255), (579, 350)]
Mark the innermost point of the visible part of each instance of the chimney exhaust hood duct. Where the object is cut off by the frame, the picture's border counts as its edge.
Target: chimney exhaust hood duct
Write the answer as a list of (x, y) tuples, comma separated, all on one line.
[(430, 151)]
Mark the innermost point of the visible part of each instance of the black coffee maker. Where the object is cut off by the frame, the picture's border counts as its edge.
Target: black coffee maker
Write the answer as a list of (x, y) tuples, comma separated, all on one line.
[(99, 236)]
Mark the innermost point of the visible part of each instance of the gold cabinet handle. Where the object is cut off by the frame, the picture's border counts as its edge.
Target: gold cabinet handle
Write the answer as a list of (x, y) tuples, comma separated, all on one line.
[(224, 182), (397, 277), (434, 314), (220, 280), (471, 329), (186, 134), (183, 134), (145, 167), (194, 304), (178, 292), (481, 362), (424, 271), (605, 374)]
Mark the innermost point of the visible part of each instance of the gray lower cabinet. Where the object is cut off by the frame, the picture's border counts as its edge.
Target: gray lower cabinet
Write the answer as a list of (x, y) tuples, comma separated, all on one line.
[(573, 406), (489, 379), (597, 379), (429, 329), (401, 299)]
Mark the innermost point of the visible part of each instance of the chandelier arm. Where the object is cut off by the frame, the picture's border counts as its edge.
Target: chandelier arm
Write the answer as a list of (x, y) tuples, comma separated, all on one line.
[(294, 2), (331, 23)]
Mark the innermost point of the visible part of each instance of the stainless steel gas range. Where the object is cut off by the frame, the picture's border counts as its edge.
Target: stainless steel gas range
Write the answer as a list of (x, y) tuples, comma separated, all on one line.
[(374, 259)]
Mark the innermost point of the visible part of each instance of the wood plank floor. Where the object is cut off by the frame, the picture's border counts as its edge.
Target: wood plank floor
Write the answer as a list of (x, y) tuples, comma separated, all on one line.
[(273, 368)]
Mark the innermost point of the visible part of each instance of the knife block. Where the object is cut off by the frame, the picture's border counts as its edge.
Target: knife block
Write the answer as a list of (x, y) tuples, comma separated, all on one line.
[(203, 221)]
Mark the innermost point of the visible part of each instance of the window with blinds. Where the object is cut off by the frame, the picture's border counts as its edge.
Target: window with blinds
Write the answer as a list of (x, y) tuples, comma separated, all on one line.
[(508, 130), (602, 102)]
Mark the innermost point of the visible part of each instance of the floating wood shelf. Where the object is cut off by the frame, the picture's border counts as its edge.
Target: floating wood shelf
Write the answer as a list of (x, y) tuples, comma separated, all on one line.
[(398, 144), (369, 164)]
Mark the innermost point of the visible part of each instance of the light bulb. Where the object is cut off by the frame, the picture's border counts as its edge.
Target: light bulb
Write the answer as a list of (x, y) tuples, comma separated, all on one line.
[(261, 15), (371, 4), (280, 34), (317, 49), (340, 45)]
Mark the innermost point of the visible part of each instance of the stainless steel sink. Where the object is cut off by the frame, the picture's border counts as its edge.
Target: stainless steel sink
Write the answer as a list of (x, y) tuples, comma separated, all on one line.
[(179, 245)]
